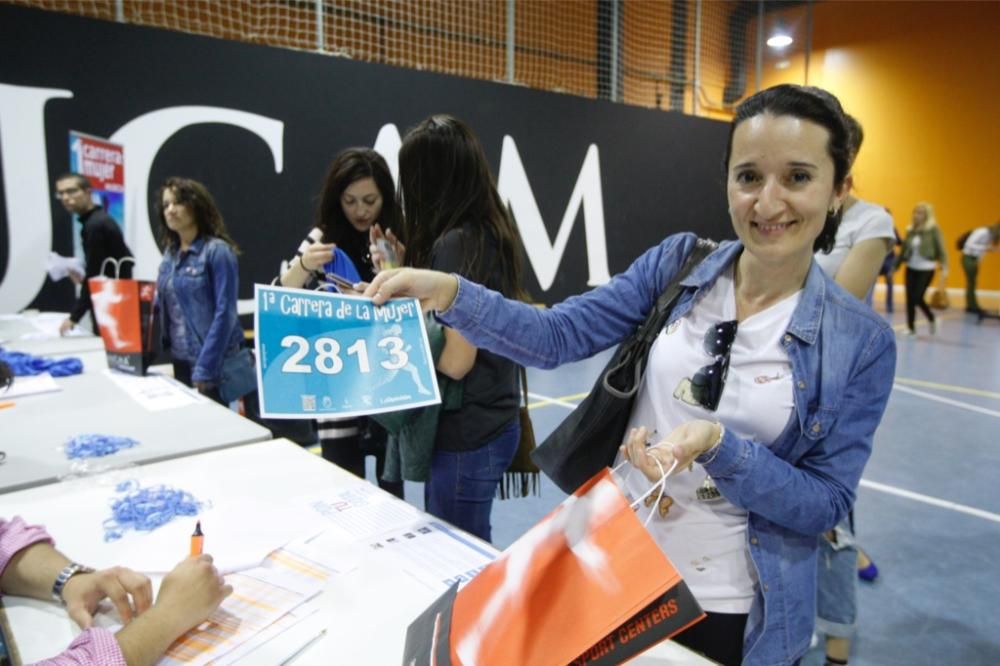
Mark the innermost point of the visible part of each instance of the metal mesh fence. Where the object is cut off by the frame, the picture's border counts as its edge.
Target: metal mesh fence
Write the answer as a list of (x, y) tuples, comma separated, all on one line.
[(694, 56)]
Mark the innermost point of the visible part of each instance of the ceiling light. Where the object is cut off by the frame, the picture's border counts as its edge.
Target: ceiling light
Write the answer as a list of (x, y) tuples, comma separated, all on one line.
[(779, 40)]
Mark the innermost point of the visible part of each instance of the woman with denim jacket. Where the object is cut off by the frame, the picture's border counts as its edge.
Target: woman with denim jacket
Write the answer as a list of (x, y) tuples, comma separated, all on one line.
[(769, 436), (197, 285)]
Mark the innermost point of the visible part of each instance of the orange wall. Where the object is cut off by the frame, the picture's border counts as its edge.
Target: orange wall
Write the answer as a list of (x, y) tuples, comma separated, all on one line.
[(924, 80)]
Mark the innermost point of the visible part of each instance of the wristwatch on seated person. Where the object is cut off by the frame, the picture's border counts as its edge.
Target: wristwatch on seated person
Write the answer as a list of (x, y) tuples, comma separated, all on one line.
[(67, 572)]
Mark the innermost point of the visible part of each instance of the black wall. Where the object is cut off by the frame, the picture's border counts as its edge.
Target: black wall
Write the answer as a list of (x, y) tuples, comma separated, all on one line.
[(661, 172)]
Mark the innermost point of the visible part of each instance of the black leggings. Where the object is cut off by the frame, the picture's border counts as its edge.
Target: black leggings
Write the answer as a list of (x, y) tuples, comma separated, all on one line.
[(719, 637), (343, 443), (916, 285)]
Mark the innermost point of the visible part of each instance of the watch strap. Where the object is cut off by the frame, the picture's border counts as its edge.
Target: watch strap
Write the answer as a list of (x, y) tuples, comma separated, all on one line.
[(67, 572)]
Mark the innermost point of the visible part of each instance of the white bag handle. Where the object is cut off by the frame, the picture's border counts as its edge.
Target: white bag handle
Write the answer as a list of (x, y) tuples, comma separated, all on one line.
[(661, 484), (117, 264)]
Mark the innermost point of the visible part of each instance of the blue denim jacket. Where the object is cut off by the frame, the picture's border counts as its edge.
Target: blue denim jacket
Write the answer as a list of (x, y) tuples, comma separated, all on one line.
[(843, 359), (206, 279)]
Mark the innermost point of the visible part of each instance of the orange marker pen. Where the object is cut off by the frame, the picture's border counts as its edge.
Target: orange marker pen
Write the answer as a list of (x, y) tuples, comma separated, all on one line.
[(197, 540)]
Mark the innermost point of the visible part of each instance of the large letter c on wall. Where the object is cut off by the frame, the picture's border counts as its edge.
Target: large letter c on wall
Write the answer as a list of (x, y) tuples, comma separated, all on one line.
[(143, 138)]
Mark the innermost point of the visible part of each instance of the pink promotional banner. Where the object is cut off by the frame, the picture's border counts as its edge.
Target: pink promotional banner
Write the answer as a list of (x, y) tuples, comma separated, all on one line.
[(103, 163)]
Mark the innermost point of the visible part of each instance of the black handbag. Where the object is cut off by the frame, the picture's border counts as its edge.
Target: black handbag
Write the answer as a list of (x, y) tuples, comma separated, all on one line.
[(589, 438)]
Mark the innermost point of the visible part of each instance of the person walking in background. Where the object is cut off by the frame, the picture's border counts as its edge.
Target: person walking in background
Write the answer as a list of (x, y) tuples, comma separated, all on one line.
[(455, 221), (197, 290), (864, 237), (864, 240), (979, 242), (923, 251), (889, 266), (100, 237), (357, 195)]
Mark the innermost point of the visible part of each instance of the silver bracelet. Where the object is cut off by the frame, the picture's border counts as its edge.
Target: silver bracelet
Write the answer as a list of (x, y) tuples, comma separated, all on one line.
[(714, 450), (67, 572)]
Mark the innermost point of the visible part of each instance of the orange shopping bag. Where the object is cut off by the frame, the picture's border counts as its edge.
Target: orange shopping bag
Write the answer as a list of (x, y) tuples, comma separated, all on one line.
[(123, 310), (586, 585)]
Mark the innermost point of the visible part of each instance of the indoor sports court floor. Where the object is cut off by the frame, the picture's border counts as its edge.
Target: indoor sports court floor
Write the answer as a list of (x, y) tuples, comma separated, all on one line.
[(928, 510)]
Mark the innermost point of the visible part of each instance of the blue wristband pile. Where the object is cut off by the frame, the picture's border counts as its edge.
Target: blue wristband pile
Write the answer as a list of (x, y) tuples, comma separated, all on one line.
[(92, 445), (25, 365), (146, 509)]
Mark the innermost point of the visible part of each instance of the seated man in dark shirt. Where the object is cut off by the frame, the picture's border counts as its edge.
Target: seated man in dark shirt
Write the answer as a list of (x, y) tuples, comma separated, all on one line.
[(101, 238)]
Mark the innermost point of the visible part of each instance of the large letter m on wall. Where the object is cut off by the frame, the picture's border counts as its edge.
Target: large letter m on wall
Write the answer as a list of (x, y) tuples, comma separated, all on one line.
[(515, 190)]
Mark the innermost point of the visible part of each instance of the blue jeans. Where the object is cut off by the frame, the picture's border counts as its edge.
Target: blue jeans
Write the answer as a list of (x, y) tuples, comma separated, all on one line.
[(463, 483)]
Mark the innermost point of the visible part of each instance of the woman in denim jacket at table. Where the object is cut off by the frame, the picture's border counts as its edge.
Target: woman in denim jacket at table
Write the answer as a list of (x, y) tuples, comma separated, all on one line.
[(765, 387), (197, 286)]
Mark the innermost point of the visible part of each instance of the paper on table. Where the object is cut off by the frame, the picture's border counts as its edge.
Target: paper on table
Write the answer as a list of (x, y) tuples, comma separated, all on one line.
[(30, 385), (329, 548), (155, 392), (299, 619), (253, 606), (434, 554), (361, 511)]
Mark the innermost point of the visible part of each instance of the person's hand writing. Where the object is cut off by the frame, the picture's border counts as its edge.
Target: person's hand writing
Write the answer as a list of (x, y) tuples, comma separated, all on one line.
[(129, 591), (190, 593), (435, 290), (317, 255), (66, 326)]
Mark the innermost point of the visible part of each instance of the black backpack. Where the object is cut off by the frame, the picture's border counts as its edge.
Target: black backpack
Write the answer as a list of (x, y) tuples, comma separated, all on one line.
[(960, 243)]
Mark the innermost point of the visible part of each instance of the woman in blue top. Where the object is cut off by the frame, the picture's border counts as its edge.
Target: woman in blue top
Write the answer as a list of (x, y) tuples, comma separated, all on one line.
[(765, 387), (197, 286), (357, 195)]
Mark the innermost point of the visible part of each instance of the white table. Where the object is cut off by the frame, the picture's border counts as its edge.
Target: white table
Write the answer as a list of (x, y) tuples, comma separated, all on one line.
[(38, 334), (365, 611), (93, 403)]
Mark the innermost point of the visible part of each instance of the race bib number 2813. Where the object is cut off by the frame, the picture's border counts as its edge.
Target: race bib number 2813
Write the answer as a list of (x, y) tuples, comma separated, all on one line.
[(328, 354)]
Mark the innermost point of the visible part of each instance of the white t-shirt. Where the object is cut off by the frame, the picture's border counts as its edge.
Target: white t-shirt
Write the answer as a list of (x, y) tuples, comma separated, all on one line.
[(917, 261), (978, 242), (707, 540), (861, 222)]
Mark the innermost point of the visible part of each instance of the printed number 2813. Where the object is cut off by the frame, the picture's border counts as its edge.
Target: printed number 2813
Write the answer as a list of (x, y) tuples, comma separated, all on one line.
[(327, 358)]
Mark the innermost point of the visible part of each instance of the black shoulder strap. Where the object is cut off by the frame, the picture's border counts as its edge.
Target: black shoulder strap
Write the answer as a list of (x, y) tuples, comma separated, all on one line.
[(617, 380)]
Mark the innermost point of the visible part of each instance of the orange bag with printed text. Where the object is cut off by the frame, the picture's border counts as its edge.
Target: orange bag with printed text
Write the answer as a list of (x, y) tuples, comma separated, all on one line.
[(123, 310), (586, 585)]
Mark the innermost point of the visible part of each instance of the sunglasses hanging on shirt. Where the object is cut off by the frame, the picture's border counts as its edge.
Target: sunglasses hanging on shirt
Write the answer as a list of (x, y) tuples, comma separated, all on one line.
[(708, 383)]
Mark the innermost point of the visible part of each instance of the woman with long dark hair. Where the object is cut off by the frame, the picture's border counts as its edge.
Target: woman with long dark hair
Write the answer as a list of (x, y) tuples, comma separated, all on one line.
[(357, 195), (197, 290), (454, 221)]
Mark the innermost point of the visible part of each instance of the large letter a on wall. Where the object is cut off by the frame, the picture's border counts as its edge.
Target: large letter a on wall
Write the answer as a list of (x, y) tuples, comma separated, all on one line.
[(545, 256)]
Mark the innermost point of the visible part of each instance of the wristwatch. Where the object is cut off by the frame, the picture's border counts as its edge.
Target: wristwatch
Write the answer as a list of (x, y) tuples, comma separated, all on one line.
[(67, 572)]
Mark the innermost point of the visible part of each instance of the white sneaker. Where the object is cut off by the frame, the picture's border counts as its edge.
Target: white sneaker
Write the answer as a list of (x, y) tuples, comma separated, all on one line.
[(933, 327)]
